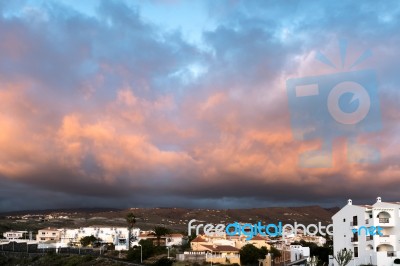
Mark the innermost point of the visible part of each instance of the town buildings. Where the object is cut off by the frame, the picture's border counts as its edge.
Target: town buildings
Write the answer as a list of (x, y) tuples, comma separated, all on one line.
[(117, 236)]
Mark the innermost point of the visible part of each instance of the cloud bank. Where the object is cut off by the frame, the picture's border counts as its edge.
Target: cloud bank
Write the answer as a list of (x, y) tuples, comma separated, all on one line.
[(113, 109)]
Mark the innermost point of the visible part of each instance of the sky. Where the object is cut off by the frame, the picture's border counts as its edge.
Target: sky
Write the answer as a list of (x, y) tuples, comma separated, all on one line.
[(170, 103)]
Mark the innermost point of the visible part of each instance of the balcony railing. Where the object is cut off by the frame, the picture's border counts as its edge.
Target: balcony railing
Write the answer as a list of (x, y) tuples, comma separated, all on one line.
[(366, 221), (384, 220), (391, 253), (384, 239), (368, 238), (354, 239), (354, 223)]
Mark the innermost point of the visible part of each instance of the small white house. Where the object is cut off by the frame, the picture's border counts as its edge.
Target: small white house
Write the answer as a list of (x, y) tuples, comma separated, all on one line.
[(168, 240), (298, 252), (175, 240), (14, 235)]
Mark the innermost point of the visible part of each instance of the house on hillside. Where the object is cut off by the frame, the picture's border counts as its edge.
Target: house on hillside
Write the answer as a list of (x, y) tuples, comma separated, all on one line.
[(48, 234), (14, 235), (168, 240)]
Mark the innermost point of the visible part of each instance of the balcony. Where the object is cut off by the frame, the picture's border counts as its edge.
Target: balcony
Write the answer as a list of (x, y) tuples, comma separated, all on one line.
[(384, 220), (391, 253), (369, 238), (387, 239), (354, 223), (354, 239)]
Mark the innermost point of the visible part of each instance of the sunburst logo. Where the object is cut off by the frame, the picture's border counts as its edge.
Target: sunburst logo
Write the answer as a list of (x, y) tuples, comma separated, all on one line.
[(344, 103)]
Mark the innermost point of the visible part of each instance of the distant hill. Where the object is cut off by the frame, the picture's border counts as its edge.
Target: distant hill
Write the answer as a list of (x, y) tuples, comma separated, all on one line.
[(178, 218), (50, 211), (333, 210)]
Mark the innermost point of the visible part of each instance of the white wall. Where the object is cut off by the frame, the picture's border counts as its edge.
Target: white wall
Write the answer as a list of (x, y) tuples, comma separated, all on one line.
[(367, 216)]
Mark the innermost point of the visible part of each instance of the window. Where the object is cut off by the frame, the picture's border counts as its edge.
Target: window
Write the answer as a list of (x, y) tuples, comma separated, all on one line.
[(355, 252), (354, 221), (344, 220), (43, 233), (54, 234), (391, 253)]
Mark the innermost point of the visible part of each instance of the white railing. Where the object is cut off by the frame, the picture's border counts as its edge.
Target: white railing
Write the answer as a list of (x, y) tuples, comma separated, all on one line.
[(384, 220), (217, 256)]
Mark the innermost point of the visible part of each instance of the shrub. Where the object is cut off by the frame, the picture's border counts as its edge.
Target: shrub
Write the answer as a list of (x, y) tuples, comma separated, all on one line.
[(163, 262)]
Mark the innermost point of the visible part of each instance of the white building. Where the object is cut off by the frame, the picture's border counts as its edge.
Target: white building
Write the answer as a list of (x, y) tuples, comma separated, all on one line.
[(112, 235), (175, 240), (298, 252), (379, 250), (13, 235), (48, 234), (168, 240)]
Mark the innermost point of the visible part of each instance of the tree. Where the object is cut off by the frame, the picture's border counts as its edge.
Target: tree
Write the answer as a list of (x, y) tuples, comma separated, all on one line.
[(275, 253), (263, 251), (131, 221), (88, 240), (249, 254), (163, 262), (160, 231), (147, 251), (343, 257)]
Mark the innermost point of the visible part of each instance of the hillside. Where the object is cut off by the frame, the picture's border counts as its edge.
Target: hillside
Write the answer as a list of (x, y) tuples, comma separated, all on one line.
[(174, 218)]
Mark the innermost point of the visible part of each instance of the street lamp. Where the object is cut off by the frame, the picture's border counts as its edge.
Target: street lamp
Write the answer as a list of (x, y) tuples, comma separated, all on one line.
[(141, 253), (168, 252)]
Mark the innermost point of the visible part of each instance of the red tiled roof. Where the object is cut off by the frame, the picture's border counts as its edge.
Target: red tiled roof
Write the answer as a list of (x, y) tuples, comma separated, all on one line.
[(257, 237), (175, 235), (198, 239), (148, 236), (50, 229), (221, 248), (151, 235)]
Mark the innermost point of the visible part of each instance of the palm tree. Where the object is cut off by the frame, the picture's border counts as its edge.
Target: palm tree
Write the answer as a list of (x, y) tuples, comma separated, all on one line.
[(160, 231), (131, 221)]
